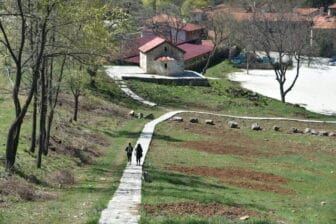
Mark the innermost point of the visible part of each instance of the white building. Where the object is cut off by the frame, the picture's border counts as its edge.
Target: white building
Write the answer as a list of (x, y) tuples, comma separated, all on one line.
[(161, 57)]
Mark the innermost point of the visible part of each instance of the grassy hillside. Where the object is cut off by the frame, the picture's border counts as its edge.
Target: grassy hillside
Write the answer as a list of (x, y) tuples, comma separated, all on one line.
[(222, 96), (87, 159), (85, 163), (214, 174)]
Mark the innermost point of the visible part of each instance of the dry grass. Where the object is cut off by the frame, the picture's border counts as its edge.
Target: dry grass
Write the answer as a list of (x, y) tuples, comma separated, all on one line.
[(22, 190), (62, 178)]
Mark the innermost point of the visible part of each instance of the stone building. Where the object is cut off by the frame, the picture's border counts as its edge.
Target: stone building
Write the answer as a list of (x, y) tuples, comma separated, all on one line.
[(161, 57)]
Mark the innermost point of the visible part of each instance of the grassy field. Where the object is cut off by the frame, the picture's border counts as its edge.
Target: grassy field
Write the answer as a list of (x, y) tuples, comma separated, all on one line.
[(214, 174), (90, 150), (222, 96), (269, 176)]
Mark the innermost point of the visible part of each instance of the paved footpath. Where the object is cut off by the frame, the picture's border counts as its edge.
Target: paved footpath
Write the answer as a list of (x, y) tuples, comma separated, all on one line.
[(118, 78), (124, 206)]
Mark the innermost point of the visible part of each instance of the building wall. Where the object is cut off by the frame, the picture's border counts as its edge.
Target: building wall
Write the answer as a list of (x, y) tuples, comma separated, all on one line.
[(143, 62), (181, 35), (149, 64), (194, 35), (169, 68)]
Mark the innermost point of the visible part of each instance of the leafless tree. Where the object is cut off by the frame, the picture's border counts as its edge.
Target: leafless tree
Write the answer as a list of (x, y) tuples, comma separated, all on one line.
[(221, 31), (14, 20), (167, 22), (281, 33)]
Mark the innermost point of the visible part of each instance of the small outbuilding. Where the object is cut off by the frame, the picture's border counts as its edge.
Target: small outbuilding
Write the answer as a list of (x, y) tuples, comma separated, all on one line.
[(160, 56)]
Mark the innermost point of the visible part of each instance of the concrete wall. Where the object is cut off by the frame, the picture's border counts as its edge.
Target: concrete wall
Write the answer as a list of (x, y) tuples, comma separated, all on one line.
[(168, 68), (143, 62), (149, 64)]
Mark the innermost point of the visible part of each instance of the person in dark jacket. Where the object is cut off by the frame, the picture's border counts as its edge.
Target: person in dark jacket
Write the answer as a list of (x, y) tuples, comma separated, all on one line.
[(138, 151), (129, 150)]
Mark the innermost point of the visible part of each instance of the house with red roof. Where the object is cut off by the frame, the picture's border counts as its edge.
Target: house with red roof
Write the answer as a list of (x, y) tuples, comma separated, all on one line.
[(194, 54), (174, 29), (160, 56)]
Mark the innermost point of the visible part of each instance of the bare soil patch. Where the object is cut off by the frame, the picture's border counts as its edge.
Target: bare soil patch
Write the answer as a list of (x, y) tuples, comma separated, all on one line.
[(239, 177), (198, 209), (222, 148), (22, 190), (224, 140)]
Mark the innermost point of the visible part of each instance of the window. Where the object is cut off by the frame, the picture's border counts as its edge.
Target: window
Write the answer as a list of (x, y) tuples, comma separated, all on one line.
[(165, 49), (165, 66)]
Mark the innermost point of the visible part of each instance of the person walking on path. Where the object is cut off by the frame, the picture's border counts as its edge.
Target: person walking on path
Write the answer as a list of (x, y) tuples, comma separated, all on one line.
[(138, 151), (129, 150)]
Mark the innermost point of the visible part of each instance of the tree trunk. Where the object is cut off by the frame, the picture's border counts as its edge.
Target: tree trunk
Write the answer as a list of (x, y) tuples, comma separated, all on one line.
[(43, 115), (247, 64), (76, 107), (209, 60), (282, 93), (34, 125), (12, 142)]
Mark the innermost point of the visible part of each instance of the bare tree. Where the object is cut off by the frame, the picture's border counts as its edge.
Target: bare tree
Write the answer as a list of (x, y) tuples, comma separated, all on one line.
[(221, 31), (15, 19), (281, 33), (36, 33), (168, 22)]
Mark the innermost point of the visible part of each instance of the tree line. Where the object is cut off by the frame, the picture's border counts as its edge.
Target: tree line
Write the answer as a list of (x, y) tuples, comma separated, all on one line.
[(48, 43)]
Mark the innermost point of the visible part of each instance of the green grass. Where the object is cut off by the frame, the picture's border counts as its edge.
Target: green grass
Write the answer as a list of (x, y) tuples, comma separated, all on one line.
[(310, 173), (221, 70), (95, 184), (223, 96)]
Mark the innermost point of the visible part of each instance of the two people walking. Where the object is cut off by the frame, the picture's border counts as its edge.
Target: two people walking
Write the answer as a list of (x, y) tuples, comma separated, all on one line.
[(138, 153)]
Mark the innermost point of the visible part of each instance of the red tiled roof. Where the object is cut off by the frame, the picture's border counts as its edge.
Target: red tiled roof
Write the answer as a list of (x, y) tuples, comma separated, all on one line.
[(191, 51), (194, 50), (157, 41), (130, 47), (324, 22), (333, 6), (191, 27), (133, 60)]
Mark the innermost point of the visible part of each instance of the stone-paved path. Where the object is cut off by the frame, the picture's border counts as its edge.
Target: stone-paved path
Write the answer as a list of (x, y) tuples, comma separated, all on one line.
[(124, 206), (118, 78)]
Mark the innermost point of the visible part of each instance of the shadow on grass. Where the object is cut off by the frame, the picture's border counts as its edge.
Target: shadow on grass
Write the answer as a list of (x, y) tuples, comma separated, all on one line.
[(135, 135), (191, 188)]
